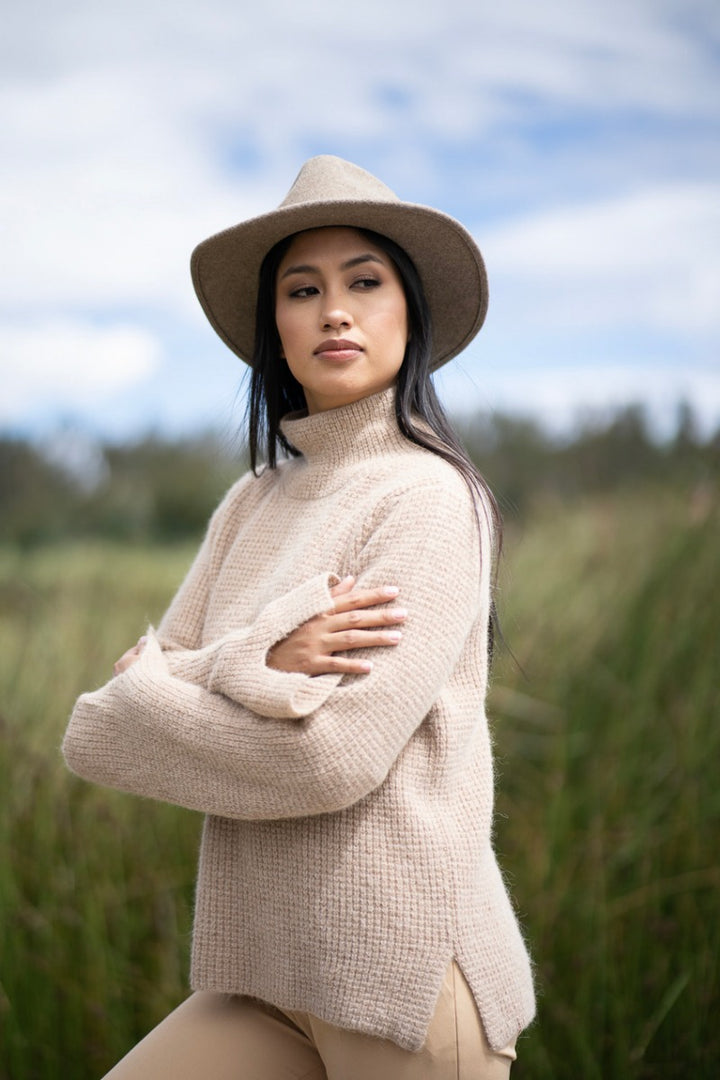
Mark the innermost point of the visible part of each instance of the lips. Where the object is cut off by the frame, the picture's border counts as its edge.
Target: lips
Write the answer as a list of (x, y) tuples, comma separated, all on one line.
[(338, 349)]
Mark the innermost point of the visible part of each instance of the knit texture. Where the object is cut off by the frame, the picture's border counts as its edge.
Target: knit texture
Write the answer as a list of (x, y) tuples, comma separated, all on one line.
[(346, 856)]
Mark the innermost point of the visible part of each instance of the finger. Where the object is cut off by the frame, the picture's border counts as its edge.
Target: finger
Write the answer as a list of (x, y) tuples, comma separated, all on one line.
[(362, 639), (343, 586), (341, 665), (363, 598), (363, 620), (127, 659)]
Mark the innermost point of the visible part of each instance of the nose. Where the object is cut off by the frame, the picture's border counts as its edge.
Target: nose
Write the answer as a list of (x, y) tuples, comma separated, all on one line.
[(334, 314)]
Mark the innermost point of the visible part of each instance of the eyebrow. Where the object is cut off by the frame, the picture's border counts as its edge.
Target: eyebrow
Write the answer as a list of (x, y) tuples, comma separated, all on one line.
[(306, 268)]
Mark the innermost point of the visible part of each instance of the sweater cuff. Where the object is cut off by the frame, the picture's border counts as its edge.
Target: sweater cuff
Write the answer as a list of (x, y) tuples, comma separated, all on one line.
[(240, 670), (195, 665), (93, 742)]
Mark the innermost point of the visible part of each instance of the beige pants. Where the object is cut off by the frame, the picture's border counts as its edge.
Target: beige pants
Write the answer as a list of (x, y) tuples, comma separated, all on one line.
[(224, 1037)]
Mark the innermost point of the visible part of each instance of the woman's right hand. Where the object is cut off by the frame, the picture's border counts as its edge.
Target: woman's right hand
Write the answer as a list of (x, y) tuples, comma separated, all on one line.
[(355, 621), (130, 657)]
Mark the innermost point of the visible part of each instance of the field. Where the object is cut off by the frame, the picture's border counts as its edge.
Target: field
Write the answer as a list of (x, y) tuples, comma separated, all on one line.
[(607, 738)]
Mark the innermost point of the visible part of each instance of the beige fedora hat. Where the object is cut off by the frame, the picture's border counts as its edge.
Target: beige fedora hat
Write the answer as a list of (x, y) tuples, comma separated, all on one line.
[(330, 191)]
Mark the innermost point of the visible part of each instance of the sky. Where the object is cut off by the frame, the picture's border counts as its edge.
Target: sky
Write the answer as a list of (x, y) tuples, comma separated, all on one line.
[(576, 139)]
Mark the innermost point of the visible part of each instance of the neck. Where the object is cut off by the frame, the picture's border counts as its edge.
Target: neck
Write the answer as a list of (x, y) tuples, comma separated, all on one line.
[(317, 403), (335, 440)]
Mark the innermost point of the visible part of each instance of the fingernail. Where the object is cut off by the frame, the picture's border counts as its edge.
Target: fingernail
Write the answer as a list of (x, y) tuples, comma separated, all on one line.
[(367, 665), (390, 590), (399, 613), (394, 635)]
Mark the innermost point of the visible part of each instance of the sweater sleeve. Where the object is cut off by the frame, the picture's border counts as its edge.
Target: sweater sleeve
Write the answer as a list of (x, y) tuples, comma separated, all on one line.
[(153, 734), (235, 663), (182, 624)]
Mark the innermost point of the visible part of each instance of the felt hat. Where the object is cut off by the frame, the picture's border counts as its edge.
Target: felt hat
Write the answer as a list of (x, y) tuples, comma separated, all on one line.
[(330, 191)]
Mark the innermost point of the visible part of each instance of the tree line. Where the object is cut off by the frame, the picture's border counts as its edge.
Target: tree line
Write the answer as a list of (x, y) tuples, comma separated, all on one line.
[(165, 489)]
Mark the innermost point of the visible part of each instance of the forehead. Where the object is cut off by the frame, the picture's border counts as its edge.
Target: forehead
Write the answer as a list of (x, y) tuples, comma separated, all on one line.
[(331, 243)]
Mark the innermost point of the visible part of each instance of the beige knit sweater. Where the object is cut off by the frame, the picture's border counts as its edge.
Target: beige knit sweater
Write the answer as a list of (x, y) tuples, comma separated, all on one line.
[(346, 856)]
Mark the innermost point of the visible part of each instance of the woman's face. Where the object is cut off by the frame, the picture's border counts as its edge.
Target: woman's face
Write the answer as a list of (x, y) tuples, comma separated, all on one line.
[(341, 315)]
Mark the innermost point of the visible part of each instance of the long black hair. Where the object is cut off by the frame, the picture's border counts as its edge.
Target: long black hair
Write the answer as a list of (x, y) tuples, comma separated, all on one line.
[(274, 391)]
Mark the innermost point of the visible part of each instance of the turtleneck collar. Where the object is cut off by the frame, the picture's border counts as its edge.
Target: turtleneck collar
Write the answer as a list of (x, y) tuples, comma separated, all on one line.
[(338, 439)]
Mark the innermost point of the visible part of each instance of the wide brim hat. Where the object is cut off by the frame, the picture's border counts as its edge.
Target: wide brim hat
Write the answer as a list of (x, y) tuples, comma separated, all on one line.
[(330, 191)]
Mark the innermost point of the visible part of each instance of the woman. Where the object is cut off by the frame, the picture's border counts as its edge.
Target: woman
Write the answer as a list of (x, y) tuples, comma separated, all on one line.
[(317, 685)]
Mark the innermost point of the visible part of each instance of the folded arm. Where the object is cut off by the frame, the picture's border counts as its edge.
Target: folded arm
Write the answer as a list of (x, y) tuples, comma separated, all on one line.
[(152, 733)]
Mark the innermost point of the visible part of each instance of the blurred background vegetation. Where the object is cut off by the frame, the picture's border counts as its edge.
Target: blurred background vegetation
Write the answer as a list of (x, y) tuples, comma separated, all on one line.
[(156, 489), (605, 722)]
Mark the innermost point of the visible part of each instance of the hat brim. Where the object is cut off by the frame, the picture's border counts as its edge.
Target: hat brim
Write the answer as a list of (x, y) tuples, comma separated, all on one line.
[(226, 266)]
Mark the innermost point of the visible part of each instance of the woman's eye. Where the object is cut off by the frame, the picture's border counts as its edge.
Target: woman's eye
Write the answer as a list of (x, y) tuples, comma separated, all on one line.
[(367, 282), (304, 290)]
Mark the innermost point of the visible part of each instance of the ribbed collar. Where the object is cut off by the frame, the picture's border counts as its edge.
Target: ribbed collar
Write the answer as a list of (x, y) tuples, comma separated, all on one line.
[(336, 440)]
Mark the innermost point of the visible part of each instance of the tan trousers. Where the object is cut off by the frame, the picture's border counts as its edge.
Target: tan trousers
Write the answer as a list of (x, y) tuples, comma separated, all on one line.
[(225, 1037)]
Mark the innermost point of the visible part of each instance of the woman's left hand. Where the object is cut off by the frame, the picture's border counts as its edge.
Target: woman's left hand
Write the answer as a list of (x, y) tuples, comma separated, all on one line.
[(130, 657)]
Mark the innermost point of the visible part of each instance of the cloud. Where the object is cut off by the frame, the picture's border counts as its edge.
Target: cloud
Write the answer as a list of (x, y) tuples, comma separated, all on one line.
[(650, 258), (130, 131), (70, 366)]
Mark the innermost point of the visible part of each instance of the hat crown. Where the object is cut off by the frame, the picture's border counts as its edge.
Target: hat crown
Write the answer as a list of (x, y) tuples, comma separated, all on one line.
[(328, 178)]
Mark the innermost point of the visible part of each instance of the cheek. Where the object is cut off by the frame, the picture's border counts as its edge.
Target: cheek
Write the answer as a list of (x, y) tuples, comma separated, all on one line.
[(398, 315), (396, 325), (284, 327)]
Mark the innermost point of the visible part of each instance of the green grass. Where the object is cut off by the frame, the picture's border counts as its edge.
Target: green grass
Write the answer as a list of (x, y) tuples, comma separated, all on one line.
[(608, 798), (609, 790), (95, 887)]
